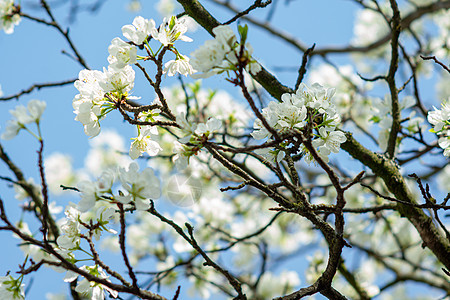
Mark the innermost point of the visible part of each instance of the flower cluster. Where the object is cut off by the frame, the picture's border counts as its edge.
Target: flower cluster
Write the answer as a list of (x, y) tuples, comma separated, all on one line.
[(294, 112), (76, 222), (98, 91), (140, 187), (222, 53), (23, 116), (9, 16), (440, 119), (169, 32)]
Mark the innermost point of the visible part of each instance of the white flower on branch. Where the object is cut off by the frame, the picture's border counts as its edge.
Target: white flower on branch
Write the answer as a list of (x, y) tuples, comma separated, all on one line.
[(92, 191), (180, 65), (221, 54), (440, 118), (140, 30), (171, 31), (88, 84), (121, 54), (141, 186), (292, 113), (145, 142), (120, 81), (8, 16), (22, 116), (71, 229)]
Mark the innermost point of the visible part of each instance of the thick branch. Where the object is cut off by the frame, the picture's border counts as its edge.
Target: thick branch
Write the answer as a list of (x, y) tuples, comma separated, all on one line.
[(194, 9), (389, 172)]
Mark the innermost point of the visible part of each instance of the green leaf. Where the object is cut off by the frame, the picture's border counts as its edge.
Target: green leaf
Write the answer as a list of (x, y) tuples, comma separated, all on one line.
[(243, 30)]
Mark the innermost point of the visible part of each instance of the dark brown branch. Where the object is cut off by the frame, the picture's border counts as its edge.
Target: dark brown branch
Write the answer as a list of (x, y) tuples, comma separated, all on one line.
[(302, 70), (37, 86), (122, 246), (436, 61), (194, 9), (257, 4)]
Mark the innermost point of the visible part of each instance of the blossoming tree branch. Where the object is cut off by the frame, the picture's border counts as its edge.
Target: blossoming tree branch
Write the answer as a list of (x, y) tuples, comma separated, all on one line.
[(335, 183)]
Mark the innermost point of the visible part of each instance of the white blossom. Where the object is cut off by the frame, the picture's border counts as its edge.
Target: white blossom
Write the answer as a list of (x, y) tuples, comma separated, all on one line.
[(292, 113), (207, 56), (88, 84), (140, 186), (180, 65), (171, 31), (444, 142), (121, 54), (181, 157), (119, 81), (36, 109), (331, 140), (209, 127), (71, 229), (187, 128), (9, 16), (225, 36), (440, 117), (22, 116), (92, 191), (59, 171), (140, 30), (89, 114), (145, 142)]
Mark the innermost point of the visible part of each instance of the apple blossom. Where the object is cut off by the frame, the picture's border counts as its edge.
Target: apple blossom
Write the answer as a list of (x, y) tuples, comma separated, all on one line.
[(209, 127), (92, 191), (9, 16), (22, 116), (139, 30), (180, 65), (89, 114), (145, 142), (120, 81), (440, 117), (121, 54), (88, 84), (171, 31), (71, 229), (292, 113), (140, 186)]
